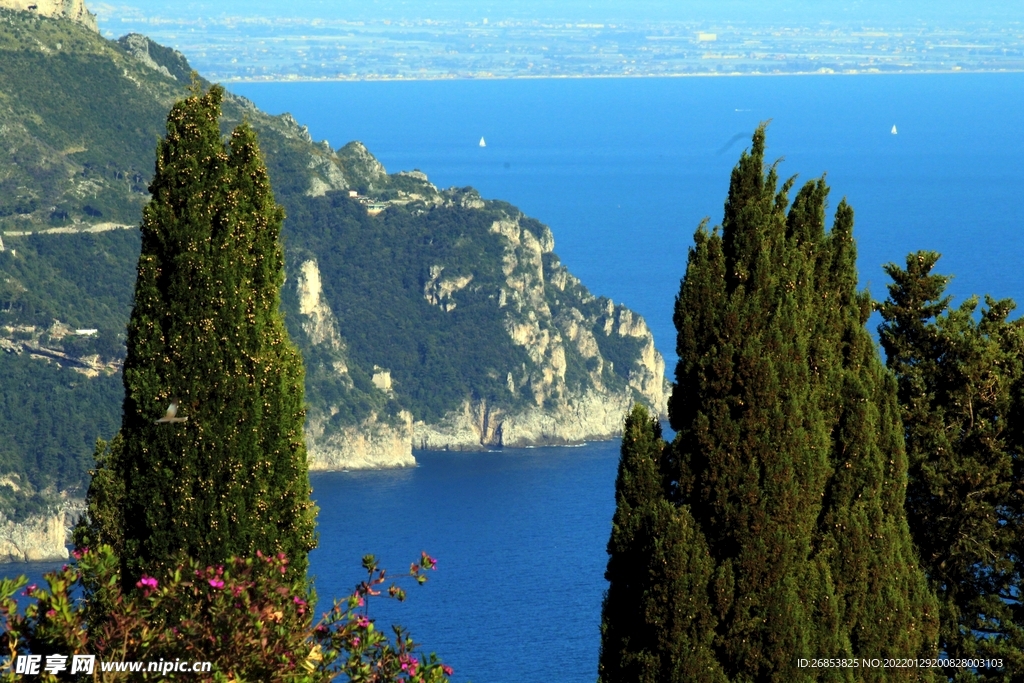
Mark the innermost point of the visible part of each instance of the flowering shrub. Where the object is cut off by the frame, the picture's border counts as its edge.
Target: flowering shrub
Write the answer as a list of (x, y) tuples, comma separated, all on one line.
[(244, 617)]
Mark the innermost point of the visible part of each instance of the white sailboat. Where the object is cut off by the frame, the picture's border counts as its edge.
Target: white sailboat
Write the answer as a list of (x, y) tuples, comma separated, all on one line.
[(893, 129), (482, 143)]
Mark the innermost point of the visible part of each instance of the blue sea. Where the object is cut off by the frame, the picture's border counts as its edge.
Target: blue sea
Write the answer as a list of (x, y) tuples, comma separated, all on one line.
[(623, 170)]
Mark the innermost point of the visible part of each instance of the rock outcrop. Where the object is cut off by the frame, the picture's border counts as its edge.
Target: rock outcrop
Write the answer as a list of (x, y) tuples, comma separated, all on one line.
[(542, 302), (74, 10), (372, 443), (39, 538)]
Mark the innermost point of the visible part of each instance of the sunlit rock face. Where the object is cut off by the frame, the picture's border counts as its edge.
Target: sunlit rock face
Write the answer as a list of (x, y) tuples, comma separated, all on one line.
[(39, 538), (74, 10)]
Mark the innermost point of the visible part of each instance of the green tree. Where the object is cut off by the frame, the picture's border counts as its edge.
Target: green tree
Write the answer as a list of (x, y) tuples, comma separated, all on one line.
[(656, 626), (960, 378), (788, 450), (206, 332)]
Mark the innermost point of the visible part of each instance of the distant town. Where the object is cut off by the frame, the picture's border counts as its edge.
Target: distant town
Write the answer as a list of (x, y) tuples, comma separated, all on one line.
[(273, 49)]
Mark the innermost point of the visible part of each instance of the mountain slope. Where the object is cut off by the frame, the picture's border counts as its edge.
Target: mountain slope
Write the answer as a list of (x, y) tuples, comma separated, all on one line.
[(426, 317)]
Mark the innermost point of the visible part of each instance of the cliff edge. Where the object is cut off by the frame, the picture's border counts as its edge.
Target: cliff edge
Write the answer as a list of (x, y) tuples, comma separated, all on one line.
[(75, 10)]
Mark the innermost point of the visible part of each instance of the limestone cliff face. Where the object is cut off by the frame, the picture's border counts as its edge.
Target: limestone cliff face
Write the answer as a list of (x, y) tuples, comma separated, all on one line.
[(39, 538), (331, 444), (555, 320), (74, 10), (371, 444)]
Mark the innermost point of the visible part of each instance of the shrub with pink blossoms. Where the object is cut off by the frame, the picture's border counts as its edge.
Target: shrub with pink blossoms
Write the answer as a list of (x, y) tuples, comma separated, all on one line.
[(244, 617)]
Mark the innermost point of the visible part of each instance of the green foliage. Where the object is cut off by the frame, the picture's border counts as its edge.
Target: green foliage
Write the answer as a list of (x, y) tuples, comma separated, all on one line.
[(788, 453), (656, 625), (51, 418), (84, 123), (960, 378), (373, 272), (83, 280), (103, 521), (246, 617), (206, 332)]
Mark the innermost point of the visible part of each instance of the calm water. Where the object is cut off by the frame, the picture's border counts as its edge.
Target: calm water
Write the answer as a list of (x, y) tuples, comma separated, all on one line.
[(519, 536), (623, 171), (520, 539)]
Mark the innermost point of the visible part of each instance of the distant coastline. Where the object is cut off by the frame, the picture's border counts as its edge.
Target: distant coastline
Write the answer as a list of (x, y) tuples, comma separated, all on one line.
[(563, 77)]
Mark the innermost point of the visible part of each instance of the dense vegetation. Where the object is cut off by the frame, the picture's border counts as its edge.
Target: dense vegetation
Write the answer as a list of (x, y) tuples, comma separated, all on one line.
[(52, 416), (79, 131), (83, 280), (789, 538), (373, 273), (961, 391), (206, 334)]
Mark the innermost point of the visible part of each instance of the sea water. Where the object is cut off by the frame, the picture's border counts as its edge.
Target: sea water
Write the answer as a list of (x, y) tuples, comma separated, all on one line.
[(623, 171)]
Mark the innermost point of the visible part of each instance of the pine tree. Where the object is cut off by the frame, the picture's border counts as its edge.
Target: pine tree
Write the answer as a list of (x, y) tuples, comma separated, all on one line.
[(655, 626), (788, 448), (960, 388), (206, 332)]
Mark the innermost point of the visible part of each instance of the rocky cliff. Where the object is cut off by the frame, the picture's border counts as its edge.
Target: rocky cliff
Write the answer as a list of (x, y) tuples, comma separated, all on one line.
[(343, 444), (559, 366), (74, 10), (41, 537), (547, 313)]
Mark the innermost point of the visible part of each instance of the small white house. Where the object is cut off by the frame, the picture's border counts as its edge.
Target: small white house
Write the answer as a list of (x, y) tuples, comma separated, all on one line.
[(86, 333)]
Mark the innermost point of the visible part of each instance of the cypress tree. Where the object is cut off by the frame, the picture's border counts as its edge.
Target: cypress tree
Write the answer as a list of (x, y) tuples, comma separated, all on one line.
[(960, 379), (788, 448), (656, 626), (206, 332)]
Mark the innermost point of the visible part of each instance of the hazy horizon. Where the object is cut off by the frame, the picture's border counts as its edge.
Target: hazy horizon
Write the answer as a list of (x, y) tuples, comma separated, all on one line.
[(877, 12)]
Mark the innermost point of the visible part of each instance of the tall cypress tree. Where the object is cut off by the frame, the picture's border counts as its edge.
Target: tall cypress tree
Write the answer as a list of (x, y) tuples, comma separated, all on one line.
[(206, 332), (656, 626), (961, 385), (788, 448)]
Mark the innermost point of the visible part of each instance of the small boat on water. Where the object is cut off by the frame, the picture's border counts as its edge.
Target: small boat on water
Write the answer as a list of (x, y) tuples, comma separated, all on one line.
[(893, 131), (482, 143)]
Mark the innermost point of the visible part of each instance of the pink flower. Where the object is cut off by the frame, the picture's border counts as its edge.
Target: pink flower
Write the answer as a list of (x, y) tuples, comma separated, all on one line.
[(448, 671), (216, 583), (51, 613), (355, 641), (362, 622), (148, 583)]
